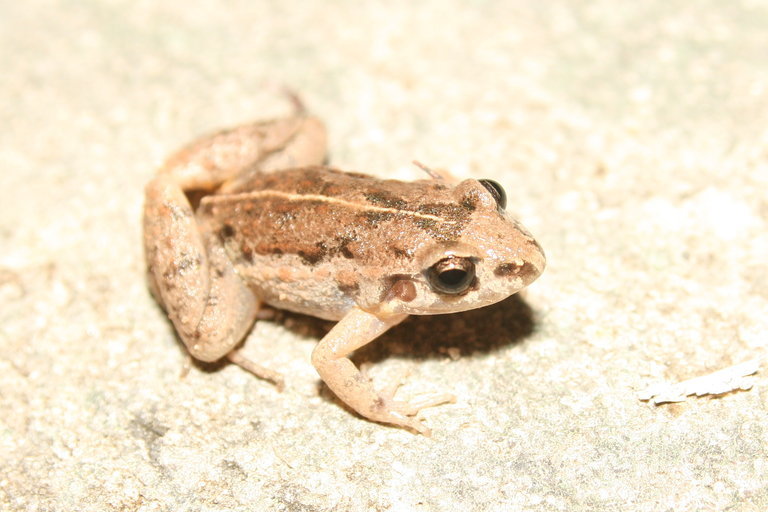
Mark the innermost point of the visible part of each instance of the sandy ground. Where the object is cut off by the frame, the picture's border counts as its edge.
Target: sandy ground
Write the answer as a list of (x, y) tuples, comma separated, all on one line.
[(632, 139)]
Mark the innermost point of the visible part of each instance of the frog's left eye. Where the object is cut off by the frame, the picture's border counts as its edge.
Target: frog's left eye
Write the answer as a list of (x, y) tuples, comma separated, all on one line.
[(451, 275), (497, 191)]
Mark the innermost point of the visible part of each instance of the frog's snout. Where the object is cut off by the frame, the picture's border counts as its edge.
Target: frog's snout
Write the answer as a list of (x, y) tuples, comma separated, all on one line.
[(527, 267)]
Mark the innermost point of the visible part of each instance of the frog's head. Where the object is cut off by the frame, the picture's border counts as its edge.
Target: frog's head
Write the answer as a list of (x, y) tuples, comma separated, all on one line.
[(476, 255)]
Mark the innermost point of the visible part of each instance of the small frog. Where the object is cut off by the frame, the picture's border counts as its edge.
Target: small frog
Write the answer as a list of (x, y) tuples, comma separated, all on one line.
[(250, 216)]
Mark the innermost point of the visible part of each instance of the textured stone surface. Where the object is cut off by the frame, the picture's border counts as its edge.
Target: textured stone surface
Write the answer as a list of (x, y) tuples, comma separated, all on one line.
[(632, 140)]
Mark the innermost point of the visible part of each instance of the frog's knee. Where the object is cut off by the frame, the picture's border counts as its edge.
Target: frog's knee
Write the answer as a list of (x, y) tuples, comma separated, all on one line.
[(210, 342), (208, 350), (223, 324)]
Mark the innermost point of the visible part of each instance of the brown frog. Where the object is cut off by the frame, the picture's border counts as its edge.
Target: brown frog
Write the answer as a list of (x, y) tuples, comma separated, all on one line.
[(271, 225)]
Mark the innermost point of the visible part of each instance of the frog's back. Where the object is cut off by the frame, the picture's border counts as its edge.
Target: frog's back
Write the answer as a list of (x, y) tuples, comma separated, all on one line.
[(311, 239)]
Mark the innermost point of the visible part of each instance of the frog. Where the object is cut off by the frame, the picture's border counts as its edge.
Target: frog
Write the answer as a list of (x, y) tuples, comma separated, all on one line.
[(253, 217)]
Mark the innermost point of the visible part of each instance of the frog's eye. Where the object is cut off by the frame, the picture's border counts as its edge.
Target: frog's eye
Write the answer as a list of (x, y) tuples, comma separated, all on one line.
[(452, 275), (497, 191)]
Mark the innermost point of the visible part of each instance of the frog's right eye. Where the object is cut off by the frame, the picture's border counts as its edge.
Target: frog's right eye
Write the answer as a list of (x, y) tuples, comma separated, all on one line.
[(452, 275), (497, 191)]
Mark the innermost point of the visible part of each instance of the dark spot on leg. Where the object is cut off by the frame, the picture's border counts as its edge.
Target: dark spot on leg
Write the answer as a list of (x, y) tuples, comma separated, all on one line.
[(187, 263)]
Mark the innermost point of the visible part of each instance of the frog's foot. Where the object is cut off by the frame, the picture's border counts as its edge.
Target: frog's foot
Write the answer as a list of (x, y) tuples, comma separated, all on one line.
[(437, 174), (240, 359), (406, 414)]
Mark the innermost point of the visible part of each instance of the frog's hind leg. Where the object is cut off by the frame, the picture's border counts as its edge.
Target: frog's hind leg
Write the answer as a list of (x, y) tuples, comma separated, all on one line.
[(192, 277), (189, 272), (226, 158), (240, 359), (437, 174)]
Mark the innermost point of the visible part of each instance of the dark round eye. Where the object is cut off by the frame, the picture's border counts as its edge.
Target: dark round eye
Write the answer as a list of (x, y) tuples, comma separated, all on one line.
[(452, 275), (497, 191)]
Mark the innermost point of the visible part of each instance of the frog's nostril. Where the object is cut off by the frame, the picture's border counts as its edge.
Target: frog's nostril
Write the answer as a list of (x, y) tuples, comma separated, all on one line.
[(506, 269), (527, 271)]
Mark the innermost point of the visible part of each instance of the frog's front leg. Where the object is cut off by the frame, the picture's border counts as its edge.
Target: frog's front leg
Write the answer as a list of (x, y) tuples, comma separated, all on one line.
[(331, 360)]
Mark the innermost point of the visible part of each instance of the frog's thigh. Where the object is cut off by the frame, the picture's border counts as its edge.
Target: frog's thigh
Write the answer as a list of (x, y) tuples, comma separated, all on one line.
[(215, 159), (206, 300)]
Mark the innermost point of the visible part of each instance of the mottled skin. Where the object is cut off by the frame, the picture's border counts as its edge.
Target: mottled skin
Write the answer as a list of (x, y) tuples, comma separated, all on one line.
[(275, 227)]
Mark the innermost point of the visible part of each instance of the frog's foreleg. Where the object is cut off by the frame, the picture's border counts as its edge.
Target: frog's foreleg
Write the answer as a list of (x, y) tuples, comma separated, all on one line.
[(330, 358)]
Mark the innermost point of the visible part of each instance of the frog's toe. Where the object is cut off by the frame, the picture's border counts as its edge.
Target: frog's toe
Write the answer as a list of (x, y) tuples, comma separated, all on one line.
[(413, 407), (239, 358), (400, 414), (406, 414), (431, 400)]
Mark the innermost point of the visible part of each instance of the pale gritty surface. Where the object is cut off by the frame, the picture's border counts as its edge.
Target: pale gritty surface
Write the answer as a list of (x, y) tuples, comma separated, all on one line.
[(632, 141)]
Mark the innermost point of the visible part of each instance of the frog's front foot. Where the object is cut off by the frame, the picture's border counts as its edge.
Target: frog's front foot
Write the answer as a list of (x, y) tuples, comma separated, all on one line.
[(353, 387), (406, 414)]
